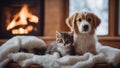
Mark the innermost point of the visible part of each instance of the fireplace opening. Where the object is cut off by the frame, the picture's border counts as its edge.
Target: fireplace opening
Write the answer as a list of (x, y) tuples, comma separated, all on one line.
[(21, 17)]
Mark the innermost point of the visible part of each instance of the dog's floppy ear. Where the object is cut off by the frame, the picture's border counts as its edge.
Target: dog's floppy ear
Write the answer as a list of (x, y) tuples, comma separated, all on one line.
[(96, 20), (70, 21)]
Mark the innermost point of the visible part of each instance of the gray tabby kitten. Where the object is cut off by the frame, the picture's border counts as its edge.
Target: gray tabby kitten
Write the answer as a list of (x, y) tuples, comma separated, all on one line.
[(63, 44)]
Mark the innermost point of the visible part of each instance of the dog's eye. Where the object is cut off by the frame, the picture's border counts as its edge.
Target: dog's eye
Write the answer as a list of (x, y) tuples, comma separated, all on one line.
[(79, 20), (89, 20)]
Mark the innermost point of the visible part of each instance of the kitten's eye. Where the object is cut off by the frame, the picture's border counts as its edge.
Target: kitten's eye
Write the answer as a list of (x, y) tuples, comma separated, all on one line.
[(79, 19), (60, 41)]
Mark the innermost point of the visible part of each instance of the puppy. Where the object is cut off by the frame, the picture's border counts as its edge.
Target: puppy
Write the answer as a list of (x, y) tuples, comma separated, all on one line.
[(84, 25)]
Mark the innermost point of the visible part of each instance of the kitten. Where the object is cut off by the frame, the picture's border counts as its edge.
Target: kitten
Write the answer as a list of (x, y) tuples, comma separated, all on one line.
[(63, 44)]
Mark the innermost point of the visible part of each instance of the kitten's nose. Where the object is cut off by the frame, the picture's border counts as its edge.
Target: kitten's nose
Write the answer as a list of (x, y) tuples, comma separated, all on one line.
[(64, 44)]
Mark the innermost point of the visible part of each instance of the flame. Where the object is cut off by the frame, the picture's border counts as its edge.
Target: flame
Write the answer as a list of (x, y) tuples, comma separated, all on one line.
[(19, 31), (22, 18)]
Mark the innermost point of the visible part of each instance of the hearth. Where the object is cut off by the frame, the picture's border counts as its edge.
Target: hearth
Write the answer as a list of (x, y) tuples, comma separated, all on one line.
[(21, 17)]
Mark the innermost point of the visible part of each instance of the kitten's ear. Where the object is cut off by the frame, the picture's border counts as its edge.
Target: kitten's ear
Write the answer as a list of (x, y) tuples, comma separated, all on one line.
[(58, 34), (71, 33)]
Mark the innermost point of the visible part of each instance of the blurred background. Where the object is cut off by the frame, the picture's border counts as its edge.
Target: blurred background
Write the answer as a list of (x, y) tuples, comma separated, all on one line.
[(42, 18)]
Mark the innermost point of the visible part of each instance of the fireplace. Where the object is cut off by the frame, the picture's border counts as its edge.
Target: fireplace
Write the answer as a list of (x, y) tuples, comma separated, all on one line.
[(21, 17)]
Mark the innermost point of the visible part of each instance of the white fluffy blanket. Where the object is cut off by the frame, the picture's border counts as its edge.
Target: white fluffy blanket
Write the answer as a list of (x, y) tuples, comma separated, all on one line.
[(9, 51)]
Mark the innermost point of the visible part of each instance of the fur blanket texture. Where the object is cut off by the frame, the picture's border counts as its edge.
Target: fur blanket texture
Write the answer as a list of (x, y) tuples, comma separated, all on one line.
[(9, 51)]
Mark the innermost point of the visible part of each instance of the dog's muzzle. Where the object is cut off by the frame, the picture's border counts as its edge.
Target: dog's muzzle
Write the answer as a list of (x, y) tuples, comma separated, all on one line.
[(84, 27)]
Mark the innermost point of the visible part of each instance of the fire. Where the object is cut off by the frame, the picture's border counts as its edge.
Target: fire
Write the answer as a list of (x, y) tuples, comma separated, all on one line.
[(22, 18)]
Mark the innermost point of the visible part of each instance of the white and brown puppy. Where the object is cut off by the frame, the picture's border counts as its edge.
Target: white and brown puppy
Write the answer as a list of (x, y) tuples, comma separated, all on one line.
[(84, 25)]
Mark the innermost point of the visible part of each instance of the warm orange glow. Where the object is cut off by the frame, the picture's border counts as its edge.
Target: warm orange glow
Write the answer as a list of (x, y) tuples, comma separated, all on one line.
[(19, 31), (29, 28), (22, 18)]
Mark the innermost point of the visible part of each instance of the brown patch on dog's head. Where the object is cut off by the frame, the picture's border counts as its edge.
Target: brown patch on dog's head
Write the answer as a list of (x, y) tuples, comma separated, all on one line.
[(76, 22), (71, 20), (93, 20), (96, 20)]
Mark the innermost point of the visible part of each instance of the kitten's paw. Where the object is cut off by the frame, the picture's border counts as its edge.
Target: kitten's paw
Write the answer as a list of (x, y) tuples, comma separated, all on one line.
[(56, 54)]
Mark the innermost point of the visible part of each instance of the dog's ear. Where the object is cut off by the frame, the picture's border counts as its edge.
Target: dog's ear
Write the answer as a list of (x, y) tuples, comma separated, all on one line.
[(96, 20), (70, 21)]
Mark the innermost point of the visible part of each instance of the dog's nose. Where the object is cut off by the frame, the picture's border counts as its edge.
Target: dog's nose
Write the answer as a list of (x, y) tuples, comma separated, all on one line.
[(85, 27)]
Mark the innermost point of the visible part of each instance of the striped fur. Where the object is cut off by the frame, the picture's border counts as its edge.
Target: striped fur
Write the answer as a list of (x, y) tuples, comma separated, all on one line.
[(63, 44)]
